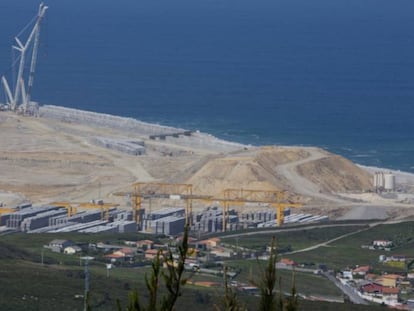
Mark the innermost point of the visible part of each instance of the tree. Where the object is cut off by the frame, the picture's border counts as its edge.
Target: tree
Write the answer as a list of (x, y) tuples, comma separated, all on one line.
[(172, 277), (229, 301), (267, 286)]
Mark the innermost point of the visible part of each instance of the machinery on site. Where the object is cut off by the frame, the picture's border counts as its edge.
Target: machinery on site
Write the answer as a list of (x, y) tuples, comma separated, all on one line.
[(19, 100), (229, 198), (73, 207)]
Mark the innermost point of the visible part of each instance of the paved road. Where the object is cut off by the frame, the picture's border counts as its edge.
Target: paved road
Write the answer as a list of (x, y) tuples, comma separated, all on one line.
[(309, 227), (348, 290), (328, 242)]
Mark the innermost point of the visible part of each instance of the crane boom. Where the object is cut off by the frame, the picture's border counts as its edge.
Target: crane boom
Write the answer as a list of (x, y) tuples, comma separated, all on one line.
[(20, 96)]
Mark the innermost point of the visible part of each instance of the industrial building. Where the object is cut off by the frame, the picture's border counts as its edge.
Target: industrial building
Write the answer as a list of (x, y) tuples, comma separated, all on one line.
[(384, 181), (53, 219)]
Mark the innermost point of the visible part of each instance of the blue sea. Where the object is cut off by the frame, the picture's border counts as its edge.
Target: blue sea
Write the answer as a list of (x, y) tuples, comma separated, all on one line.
[(338, 74)]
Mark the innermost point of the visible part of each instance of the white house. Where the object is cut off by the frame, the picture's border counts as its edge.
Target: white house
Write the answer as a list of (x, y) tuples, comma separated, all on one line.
[(58, 245), (70, 250)]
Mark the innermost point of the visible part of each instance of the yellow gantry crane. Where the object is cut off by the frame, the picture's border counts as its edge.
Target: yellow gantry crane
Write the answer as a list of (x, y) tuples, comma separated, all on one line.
[(274, 198), (72, 207), (161, 191), (230, 197), (7, 210)]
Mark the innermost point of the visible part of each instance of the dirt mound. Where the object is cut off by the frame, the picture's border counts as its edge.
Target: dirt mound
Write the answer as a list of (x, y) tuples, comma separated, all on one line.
[(249, 169), (258, 169), (336, 174)]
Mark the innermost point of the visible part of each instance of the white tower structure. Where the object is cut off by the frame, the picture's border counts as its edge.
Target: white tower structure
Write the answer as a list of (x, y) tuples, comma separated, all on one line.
[(389, 181), (20, 97), (379, 181), (384, 181)]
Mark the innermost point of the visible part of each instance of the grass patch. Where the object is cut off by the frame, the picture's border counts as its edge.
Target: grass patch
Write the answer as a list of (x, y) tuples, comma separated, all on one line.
[(305, 282), (298, 239)]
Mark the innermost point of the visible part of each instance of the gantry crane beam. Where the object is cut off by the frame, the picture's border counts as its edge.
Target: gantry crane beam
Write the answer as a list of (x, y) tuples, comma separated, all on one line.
[(252, 195), (72, 210), (7, 210), (162, 191), (230, 197), (72, 207), (274, 198), (104, 207)]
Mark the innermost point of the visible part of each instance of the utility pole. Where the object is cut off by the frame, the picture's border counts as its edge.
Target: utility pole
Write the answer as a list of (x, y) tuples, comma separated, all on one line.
[(87, 282)]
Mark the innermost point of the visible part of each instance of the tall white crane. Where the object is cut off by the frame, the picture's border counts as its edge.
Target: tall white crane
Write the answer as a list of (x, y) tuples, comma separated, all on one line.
[(22, 95)]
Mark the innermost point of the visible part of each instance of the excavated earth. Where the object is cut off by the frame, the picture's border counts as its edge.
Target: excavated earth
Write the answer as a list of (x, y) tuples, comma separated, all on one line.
[(47, 159)]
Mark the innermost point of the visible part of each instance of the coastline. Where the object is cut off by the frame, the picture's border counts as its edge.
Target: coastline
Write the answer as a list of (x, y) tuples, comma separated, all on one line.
[(136, 127), (142, 128), (56, 157)]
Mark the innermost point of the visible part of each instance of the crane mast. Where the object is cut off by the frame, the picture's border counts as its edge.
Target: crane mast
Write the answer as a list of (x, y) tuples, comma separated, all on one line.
[(20, 98)]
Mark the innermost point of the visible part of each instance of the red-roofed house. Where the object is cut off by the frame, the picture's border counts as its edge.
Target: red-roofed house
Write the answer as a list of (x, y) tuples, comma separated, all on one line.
[(287, 262), (361, 270), (378, 293), (123, 253)]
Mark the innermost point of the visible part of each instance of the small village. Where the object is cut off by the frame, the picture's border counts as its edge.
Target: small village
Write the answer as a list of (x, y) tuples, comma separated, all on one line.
[(381, 284), (208, 257)]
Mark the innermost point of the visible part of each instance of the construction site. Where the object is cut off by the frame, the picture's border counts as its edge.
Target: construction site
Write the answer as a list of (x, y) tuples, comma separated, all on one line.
[(69, 163), (97, 216)]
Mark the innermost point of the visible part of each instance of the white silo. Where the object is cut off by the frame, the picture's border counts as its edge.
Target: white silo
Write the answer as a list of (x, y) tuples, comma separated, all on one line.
[(389, 181), (378, 181)]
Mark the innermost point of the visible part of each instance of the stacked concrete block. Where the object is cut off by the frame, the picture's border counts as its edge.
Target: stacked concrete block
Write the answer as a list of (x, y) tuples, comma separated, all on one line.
[(99, 229), (16, 218), (39, 220), (170, 225), (124, 226), (81, 226)]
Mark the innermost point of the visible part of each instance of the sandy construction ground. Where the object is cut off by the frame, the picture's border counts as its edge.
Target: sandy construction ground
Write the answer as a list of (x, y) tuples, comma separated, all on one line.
[(51, 159)]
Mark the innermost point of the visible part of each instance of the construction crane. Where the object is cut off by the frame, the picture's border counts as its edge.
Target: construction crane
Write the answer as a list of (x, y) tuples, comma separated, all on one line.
[(7, 210), (162, 191), (230, 197), (167, 191), (72, 210), (273, 198), (21, 97)]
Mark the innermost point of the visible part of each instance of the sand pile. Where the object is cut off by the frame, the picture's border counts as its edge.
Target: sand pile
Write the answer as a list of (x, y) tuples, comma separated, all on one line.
[(336, 174), (260, 169)]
